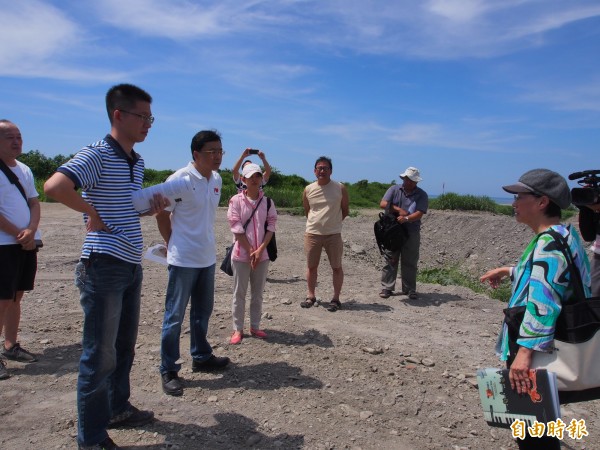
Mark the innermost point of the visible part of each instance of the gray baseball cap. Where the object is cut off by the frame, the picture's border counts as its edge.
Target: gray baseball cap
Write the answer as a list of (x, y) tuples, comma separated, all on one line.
[(543, 182)]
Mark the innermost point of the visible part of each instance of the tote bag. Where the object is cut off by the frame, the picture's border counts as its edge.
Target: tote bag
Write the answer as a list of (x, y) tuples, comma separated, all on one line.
[(272, 245), (226, 263)]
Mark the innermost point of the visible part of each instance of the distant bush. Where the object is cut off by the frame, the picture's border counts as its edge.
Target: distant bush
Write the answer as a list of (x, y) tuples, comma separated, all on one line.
[(39, 187), (152, 177), (42, 166), (457, 202), (285, 190), (278, 180), (506, 210), (364, 194), (285, 197)]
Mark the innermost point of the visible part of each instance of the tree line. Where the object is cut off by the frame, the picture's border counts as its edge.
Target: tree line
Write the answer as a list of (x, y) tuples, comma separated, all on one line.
[(285, 190)]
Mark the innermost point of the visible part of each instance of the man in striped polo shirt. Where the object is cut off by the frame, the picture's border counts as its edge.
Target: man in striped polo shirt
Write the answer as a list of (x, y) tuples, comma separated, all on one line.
[(109, 274)]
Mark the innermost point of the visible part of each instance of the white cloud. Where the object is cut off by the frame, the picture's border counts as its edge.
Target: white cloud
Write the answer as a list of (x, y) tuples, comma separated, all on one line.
[(32, 32), (442, 29), (451, 136), (353, 131), (427, 28), (47, 41), (458, 10), (431, 135), (571, 97), (185, 20), (39, 40)]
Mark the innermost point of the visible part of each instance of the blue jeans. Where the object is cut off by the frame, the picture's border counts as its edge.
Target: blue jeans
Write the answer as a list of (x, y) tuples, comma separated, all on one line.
[(110, 297), (186, 283)]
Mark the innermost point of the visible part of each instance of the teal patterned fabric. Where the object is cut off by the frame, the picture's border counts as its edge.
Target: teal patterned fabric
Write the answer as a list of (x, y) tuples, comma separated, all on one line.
[(541, 281)]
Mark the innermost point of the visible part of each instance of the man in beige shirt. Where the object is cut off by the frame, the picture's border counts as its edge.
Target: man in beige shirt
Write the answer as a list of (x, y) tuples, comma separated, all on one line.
[(325, 205)]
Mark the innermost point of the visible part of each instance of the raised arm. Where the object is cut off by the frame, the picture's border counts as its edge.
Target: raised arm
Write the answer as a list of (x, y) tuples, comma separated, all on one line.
[(238, 165), (266, 165)]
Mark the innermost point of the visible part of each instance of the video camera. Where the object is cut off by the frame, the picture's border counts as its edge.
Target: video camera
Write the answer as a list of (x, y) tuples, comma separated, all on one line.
[(589, 193)]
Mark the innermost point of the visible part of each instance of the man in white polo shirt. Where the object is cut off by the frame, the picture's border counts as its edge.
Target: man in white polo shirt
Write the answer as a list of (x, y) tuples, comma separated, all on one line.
[(188, 231)]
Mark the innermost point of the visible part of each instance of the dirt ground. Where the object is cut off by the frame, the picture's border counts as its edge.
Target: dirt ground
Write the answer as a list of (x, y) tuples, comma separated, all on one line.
[(378, 374)]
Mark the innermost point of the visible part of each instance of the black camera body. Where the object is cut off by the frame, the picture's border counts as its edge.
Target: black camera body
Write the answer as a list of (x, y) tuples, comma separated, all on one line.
[(589, 193)]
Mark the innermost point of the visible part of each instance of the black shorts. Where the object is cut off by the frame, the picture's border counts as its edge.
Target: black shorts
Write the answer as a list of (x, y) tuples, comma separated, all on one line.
[(17, 270)]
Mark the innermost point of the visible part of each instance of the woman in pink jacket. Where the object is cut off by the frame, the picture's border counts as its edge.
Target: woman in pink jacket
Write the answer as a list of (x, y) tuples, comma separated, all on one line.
[(250, 259)]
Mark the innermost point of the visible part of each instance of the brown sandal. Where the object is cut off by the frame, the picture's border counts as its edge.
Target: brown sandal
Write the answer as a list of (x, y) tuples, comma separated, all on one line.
[(334, 305), (309, 302)]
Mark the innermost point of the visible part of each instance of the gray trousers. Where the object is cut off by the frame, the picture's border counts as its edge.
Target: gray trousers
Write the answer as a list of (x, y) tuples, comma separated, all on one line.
[(407, 257), (596, 275), (242, 274)]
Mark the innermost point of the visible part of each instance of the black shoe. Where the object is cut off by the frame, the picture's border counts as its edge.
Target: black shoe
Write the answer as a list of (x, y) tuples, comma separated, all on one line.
[(18, 353), (211, 364), (130, 418), (106, 444), (171, 384), (3, 372)]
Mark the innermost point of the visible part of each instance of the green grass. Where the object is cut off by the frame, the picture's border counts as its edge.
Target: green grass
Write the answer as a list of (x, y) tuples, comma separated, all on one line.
[(456, 202), (454, 276)]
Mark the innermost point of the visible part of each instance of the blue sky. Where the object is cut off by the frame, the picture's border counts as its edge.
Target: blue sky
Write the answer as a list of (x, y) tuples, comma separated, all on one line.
[(472, 92)]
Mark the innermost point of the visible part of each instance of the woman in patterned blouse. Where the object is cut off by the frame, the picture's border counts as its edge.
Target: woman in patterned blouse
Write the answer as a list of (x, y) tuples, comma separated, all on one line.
[(540, 280)]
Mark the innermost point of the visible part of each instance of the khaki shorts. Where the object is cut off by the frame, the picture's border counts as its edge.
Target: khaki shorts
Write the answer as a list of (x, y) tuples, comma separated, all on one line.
[(333, 245)]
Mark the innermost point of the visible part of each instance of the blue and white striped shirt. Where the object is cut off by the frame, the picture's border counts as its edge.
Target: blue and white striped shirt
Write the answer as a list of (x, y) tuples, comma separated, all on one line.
[(107, 177)]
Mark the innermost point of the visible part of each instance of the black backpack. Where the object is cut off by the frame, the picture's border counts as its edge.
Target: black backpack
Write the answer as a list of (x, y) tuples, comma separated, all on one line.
[(389, 234)]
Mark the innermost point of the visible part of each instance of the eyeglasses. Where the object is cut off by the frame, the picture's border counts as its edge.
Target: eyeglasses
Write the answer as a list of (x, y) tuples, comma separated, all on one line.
[(214, 152), (145, 118), (322, 169), (521, 195)]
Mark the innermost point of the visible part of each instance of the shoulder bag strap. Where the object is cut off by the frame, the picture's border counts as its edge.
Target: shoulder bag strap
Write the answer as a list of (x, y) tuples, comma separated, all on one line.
[(566, 250), (253, 211), (391, 202), (12, 178)]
